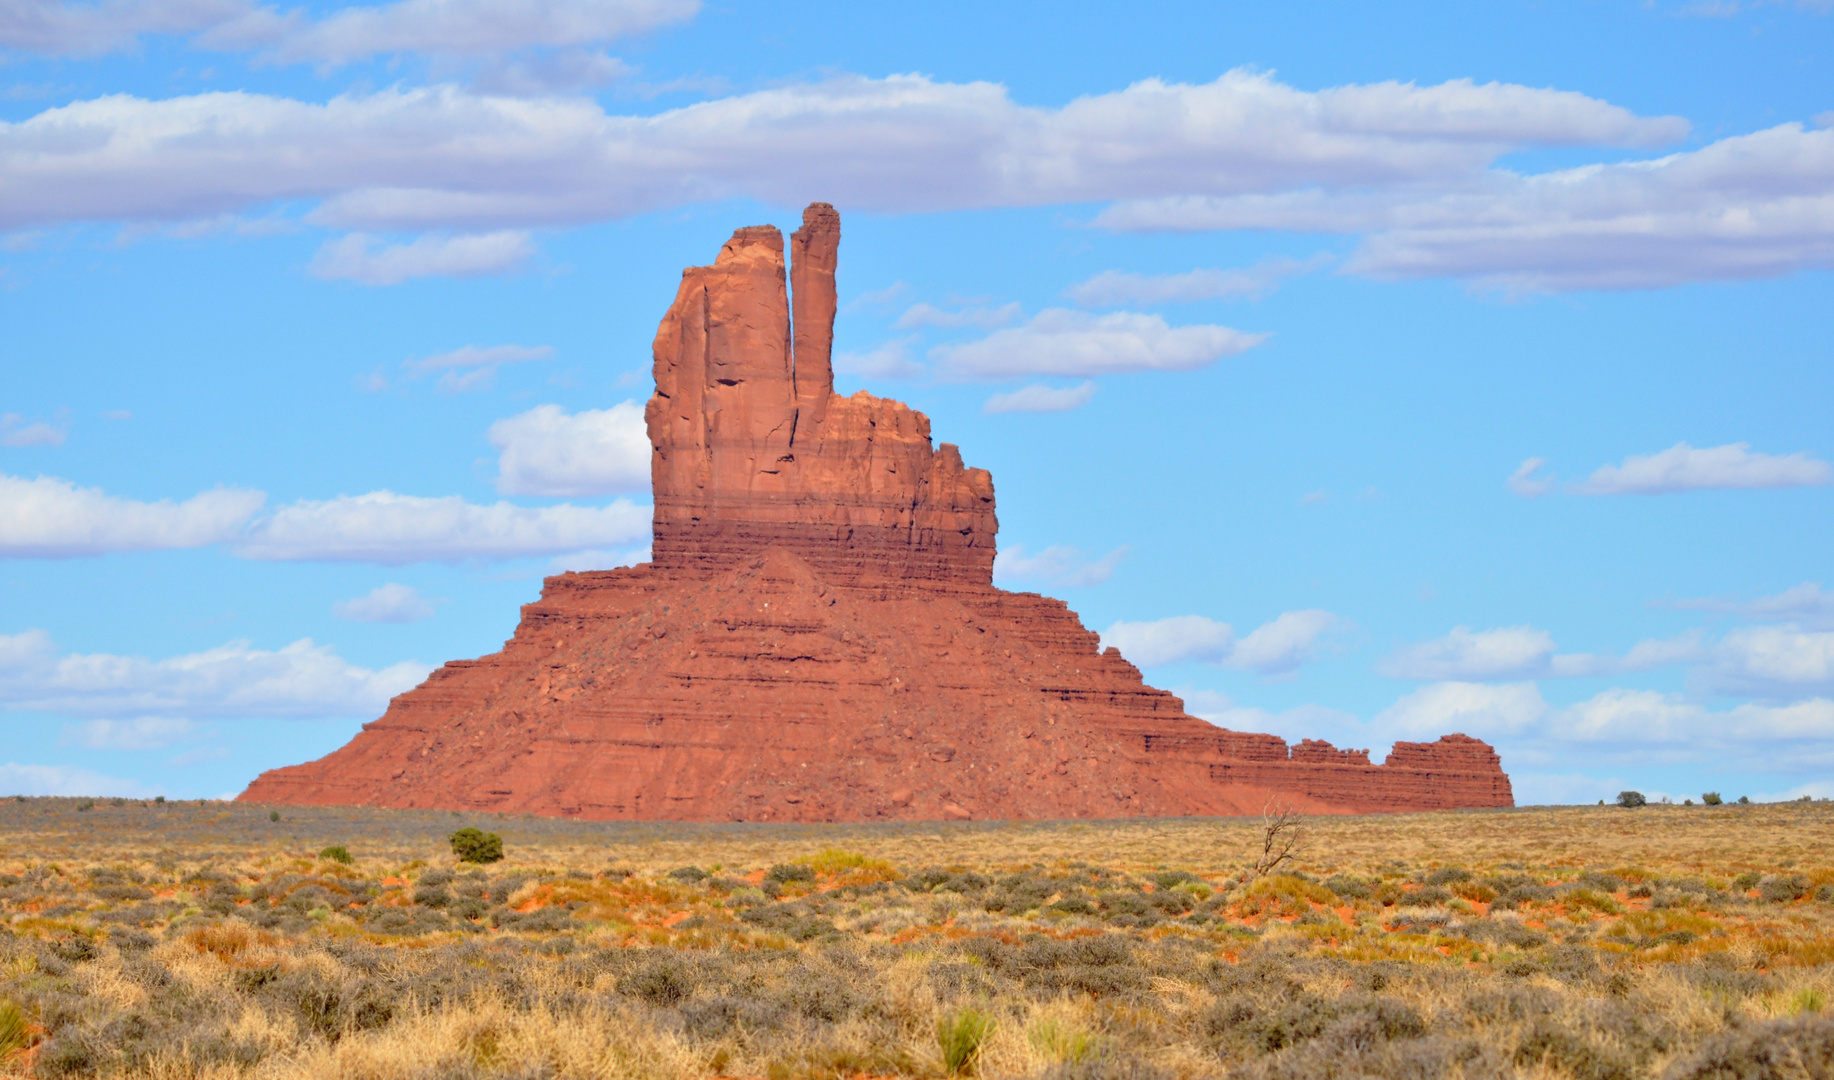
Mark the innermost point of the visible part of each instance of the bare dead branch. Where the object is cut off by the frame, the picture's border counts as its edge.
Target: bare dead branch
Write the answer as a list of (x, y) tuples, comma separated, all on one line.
[(1282, 836)]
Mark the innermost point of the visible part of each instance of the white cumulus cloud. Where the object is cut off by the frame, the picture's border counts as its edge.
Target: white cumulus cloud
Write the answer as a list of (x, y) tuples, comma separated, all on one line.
[(445, 158), (1771, 662), (234, 680), (390, 603), (547, 451), (1061, 342), (1746, 206), (1040, 399), (383, 527), (53, 518), (1057, 565), (1683, 468), (1273, 648), (1484, 710), (356, 258)]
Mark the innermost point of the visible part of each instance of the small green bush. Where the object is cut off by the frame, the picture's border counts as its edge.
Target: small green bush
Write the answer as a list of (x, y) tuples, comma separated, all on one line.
[(961, 1035), (1744, 800), (785, 872), (337, 853), (1783, 888), (476, 846), (1712, 798), (1630, 800), (273, 815)]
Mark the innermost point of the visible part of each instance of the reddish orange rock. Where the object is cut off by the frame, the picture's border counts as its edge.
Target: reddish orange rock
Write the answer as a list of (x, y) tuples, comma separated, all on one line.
[(818, 637)]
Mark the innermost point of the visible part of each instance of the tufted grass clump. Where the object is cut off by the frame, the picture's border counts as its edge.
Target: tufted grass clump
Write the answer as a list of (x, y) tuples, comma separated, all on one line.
[(1062, 1042), (961, 1035), (15, 1033)]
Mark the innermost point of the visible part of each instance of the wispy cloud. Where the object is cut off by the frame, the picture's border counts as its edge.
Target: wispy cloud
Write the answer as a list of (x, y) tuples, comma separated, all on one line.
[(984, 318), (439, 27), (1116, 288), (1058, 565), (1040, 399), (138, 733), (357, 258), (1524, 652), (390, 603), (891, 360), (1273, 648), (16, 430), (1807, 604), (1683, 468), (390, 529), (471, 367), (303, 679), (1061, 342)]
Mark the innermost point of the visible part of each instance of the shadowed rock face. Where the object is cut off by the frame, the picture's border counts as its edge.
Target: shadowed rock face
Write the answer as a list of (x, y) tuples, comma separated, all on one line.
[(818, 637)]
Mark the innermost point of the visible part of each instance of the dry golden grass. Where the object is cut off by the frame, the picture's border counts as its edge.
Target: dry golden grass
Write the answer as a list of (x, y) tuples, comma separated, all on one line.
[(167, 940)]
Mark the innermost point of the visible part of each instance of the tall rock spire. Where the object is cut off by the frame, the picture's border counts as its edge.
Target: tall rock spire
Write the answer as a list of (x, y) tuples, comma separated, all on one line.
[(814, 249)]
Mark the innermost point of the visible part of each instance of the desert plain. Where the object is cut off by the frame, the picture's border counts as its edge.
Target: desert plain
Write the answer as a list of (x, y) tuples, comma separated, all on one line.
[(151, 939)]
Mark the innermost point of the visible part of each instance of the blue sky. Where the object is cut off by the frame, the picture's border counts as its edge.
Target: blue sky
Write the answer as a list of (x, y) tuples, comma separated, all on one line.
[(1362, 372)]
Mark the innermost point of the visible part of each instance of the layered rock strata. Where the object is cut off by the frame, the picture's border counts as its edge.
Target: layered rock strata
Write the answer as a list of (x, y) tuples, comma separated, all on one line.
[(818, 637)]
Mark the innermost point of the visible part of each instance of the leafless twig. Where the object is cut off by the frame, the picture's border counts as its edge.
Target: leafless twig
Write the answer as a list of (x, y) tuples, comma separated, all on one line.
[(1282, 835)]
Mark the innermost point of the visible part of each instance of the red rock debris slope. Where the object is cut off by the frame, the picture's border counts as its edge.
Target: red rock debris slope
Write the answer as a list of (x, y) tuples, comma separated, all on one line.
[(818, 637)]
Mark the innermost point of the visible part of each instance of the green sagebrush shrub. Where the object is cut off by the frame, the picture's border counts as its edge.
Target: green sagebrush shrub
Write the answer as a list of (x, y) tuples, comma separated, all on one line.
[(1630, 800), (1712, 798), (476, 846), (337, 853)]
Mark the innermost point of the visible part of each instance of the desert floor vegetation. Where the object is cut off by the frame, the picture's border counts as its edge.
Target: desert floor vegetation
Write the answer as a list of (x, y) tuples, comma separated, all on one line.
[(227, 940)]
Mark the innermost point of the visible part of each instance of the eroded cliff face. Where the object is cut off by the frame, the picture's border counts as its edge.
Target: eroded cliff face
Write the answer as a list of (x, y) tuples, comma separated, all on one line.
[(818, 637)]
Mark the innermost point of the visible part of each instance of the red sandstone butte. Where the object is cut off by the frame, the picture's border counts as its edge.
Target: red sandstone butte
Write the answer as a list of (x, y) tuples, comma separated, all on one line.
[(818, 637)]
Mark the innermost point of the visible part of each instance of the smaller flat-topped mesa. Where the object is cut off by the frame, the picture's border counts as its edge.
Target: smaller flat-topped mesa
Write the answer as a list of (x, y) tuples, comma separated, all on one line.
[(752, 449)]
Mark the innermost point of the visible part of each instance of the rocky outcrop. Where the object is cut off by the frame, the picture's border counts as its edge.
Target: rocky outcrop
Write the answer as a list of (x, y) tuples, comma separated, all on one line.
[(818, 637)]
